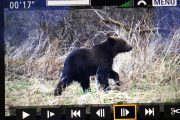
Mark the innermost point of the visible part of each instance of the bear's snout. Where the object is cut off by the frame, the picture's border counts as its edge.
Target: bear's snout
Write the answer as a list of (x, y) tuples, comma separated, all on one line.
[(128, 48)]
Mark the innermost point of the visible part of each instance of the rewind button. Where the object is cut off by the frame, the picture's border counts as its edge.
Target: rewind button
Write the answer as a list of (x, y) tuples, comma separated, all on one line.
[(75, 113)]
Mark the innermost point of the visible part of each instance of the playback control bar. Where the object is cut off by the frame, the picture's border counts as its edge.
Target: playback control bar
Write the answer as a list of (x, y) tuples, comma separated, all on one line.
[(101, 112)]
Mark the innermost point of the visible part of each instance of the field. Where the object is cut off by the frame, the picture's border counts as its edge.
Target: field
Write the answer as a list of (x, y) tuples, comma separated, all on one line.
[(150, 73)]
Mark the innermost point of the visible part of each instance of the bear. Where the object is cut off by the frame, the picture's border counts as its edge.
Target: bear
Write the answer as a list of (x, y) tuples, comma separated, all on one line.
[(82, 63)]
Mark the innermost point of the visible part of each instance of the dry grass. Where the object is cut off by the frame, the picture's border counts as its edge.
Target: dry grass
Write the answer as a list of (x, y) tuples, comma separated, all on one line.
[(147, 77), (33, 92)]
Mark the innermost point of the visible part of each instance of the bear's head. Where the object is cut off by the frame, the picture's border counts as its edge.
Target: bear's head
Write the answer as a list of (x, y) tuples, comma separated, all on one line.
[(119, 45)]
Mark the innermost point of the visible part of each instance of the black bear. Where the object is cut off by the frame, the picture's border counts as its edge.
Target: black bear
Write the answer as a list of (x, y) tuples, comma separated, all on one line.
[(82, 63)]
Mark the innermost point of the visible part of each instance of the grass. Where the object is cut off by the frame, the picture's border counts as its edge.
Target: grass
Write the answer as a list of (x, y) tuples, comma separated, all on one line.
[(147, 77), (34, 92)]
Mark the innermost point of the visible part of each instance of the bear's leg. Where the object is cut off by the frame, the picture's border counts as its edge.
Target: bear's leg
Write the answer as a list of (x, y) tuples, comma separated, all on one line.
[(85, 84), (62, 84), (102, 78), (115, 77)]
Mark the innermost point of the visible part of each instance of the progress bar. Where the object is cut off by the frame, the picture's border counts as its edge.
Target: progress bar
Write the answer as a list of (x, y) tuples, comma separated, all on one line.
[(67, 2)]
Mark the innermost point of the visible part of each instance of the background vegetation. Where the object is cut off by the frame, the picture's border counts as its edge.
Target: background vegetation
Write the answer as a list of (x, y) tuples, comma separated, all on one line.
[(37, 42)]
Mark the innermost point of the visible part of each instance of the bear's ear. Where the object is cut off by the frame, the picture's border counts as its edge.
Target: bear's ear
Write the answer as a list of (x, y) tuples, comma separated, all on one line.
[(109, 34), (111, 40)]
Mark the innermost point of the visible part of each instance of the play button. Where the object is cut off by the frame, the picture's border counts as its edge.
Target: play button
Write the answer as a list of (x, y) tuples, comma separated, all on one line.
[(26, 114)]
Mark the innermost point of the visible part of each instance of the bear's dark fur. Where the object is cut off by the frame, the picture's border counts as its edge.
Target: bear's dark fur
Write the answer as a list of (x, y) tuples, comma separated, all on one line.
[(82, 63)]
